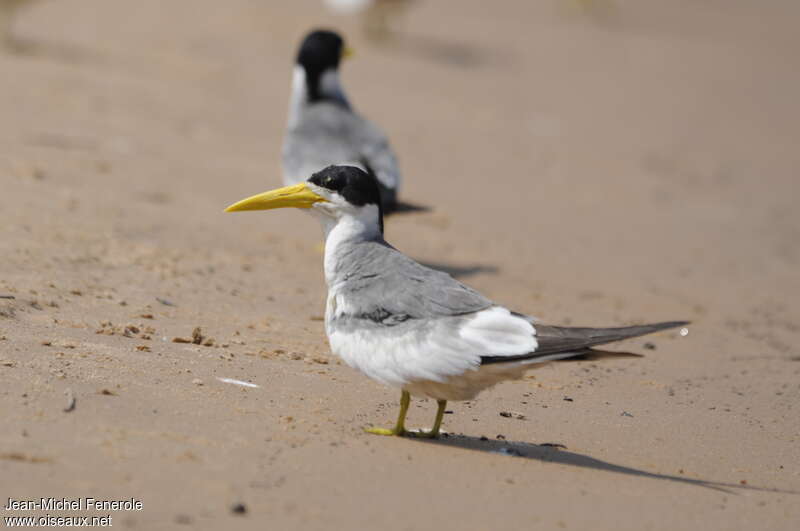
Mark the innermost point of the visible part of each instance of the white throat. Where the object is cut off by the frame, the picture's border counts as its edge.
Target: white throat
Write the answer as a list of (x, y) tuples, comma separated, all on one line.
[(329, 87)]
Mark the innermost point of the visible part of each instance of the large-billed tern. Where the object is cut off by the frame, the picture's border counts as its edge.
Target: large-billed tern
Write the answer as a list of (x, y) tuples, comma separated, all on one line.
[(323, 128), (410, 326)]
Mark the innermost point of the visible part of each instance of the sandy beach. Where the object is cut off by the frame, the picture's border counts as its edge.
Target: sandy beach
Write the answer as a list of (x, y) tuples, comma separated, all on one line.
[(599, 164)]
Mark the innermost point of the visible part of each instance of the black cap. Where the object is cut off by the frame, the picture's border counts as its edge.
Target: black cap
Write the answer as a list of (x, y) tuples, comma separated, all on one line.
[(356, 186), (321, 50)]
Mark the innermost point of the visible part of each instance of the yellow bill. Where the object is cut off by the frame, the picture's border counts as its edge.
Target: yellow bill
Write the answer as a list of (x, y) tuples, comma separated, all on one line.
[(348, 52), (297, 196)]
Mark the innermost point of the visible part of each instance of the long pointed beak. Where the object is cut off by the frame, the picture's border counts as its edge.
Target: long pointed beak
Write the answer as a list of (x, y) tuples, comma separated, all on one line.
[(297, 196)]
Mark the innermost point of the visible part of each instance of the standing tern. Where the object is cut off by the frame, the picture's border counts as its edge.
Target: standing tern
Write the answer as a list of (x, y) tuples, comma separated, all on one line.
[(323, 128), (410, 326)]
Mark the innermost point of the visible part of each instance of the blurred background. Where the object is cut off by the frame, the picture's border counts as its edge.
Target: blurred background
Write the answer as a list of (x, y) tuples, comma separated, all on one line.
[(591, 162), (635, 118)]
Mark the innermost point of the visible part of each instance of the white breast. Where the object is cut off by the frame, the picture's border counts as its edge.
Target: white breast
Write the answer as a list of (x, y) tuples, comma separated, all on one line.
[(437, 351)]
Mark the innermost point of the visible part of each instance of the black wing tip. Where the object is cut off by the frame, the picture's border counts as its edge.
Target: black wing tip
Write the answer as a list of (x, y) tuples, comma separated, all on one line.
[(584, 346), (669, 324)]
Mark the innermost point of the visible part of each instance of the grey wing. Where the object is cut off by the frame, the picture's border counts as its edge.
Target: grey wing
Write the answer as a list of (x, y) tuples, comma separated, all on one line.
[(328, 133), (384, 283), (378, 156)]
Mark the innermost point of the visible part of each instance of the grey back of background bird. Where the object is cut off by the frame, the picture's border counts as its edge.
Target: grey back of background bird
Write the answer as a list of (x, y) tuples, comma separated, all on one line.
[(328, 133)]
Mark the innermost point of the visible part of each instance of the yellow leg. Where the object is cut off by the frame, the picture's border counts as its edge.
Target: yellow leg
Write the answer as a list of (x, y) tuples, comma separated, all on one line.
[(436, 424), (399, 428)]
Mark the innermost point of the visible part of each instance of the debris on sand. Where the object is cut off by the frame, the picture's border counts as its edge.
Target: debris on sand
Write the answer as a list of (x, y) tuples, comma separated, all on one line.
[(513, 415), (270, 354), (71, 401), (25, 458), (238, 382), (129, 330), (143, 348), (557, 446), (275, 354), (11, 297), (197, 339), (239, 508), (165, 302), (197, 381), (106, 392)]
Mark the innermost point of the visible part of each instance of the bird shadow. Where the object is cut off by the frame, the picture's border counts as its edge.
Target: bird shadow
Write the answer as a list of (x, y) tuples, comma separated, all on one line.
[(594, 354), (57, 52), (403, 207), (458, 271), (437, 50), (557, 453)]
